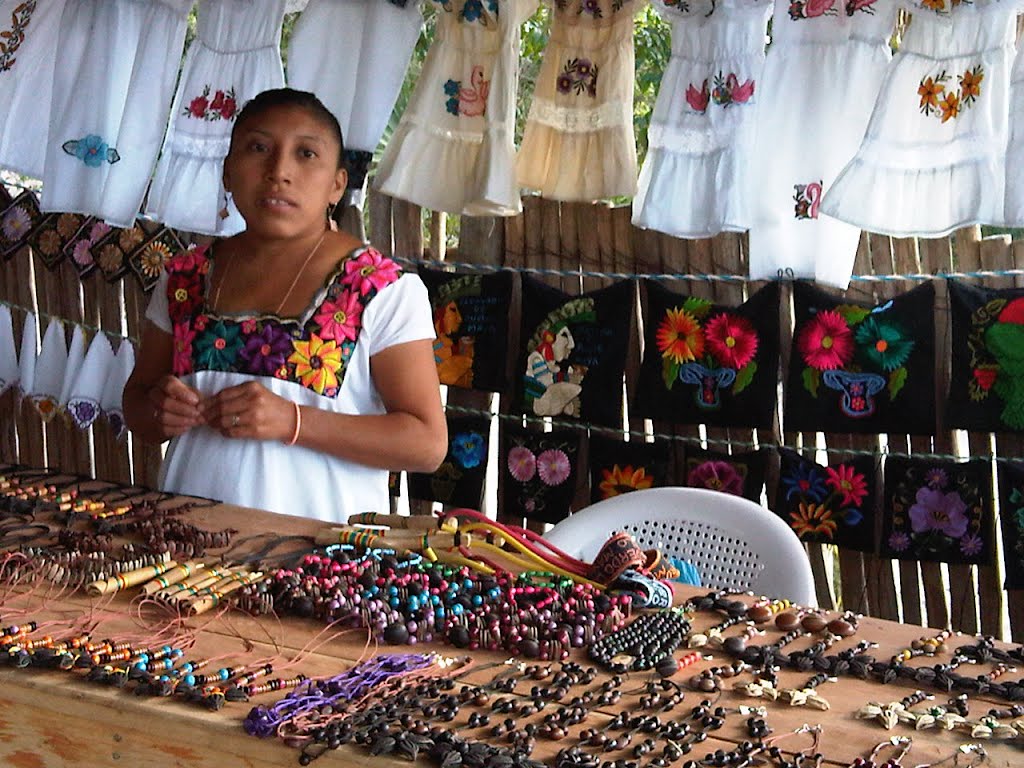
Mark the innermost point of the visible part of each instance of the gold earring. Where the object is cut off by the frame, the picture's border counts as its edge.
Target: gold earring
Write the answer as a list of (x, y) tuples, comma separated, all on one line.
[(223, 212)]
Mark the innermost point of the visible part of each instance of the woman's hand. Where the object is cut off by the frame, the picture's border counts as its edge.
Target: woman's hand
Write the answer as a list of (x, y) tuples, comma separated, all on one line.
[(176, 406), (251, 411)]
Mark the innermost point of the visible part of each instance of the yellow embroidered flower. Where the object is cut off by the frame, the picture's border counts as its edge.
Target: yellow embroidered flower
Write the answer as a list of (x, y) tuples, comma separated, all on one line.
[(68, 224), (153, 258), (619, 481), (128, 239), (679, 336), (950, 106), (813, 519), (934, 5), (49, 243), (970, 84), (317, 363), (929, 91)]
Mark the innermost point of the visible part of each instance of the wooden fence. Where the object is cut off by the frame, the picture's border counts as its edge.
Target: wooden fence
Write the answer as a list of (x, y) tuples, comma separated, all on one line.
[(588, 238)]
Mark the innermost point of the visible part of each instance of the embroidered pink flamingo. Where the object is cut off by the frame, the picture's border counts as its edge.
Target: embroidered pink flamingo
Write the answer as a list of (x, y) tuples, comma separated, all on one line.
[(814, 8), (473, 99), (813, 193), (739, 93), (698, 100)]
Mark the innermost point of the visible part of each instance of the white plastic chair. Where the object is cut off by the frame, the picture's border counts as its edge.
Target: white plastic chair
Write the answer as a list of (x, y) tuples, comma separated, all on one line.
[(733, 542)]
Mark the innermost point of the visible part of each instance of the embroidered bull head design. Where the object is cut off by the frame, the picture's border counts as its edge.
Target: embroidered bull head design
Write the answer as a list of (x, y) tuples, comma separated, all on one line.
[(709, 381), (858, 391)]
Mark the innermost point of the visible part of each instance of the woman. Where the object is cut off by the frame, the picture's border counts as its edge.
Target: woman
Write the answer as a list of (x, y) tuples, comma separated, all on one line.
[(289, 365)]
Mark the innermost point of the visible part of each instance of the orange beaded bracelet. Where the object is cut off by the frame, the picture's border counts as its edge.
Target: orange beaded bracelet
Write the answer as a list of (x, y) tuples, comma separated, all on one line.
[(298, 425)]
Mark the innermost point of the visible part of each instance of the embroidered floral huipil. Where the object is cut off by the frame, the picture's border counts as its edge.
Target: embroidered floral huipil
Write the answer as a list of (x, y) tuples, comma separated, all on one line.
[(821, 76), (578, 143), (320, 359), (693, 182), (933, 156)]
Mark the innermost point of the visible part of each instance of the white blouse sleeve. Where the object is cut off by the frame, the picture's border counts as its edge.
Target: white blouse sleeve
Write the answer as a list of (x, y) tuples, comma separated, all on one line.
[(399, 313), (157, 312)]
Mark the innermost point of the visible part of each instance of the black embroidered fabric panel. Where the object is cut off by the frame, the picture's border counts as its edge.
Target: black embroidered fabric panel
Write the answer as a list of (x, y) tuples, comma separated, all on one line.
[(709, 364), (539, 472), (459, 481), (986, 390), (938, 510), (471, 322), (828, 505), (618, 467), (862, 368), (573, 351)]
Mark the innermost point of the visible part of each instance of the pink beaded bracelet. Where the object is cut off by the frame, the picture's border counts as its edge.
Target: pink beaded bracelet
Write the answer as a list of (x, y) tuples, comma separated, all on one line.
[(298, 425)]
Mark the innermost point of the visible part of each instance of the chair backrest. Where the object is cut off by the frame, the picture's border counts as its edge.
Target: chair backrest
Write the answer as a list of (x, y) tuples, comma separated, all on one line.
[(733, 542)]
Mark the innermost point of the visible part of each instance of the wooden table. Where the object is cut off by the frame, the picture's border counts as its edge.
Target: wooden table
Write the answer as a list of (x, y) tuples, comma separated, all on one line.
[(50, 718)]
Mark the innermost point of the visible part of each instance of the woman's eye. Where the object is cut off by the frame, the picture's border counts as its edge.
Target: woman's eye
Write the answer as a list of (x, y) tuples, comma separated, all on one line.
[(307, 153), (257, 146)]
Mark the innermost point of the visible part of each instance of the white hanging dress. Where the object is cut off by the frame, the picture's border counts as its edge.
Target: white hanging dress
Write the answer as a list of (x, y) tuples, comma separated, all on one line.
[(361, 87), (693, 181), (236, 55), (821, 76), (112, 88), (933, 157), (1014, 204), (454, 149), (26, 81)]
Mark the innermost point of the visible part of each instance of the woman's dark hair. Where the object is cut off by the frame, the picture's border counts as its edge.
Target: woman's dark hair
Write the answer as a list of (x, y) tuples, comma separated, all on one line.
[(263, 102)]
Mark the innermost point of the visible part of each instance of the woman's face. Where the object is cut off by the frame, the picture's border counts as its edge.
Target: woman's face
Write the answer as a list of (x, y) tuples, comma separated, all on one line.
[(282, 172)]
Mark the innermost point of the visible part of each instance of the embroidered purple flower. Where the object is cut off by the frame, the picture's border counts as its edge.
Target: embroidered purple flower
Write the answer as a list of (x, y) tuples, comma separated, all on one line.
[(716, 476), (370, 271), (938, 511), (340, 319), (899, 541), (468, 449), (564, 83), (83, 413), (553, 467), (217, 348), (971, 545), (266, 351), (522, 463), (16, 224), (805, 481), (936, 478)]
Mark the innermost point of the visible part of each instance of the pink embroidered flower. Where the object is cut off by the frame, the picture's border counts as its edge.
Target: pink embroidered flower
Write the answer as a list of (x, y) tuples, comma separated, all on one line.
[(188, 260), (813, 8), (200, 322), (369, 271), (16, 224), (826, 342), (553, 467), (339, 320), (218, 101), (181, 362), (716, 476), (731, 339), (82, 253), (849, 483), (99, 229), (522, 463), (248, 326)]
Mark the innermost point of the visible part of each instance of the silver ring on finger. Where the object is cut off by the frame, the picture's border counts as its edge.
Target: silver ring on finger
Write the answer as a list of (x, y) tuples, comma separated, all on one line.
[(235, 420)]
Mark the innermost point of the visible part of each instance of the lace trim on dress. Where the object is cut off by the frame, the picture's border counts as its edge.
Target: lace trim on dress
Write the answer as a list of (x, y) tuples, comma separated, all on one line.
[(662, 136), (214, 148), (466, 137), (575, 120)]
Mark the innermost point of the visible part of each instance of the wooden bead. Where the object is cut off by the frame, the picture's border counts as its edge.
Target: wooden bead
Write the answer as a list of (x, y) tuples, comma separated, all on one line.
[(760, 614), (841, 627), (812, 622), (787, 621)]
